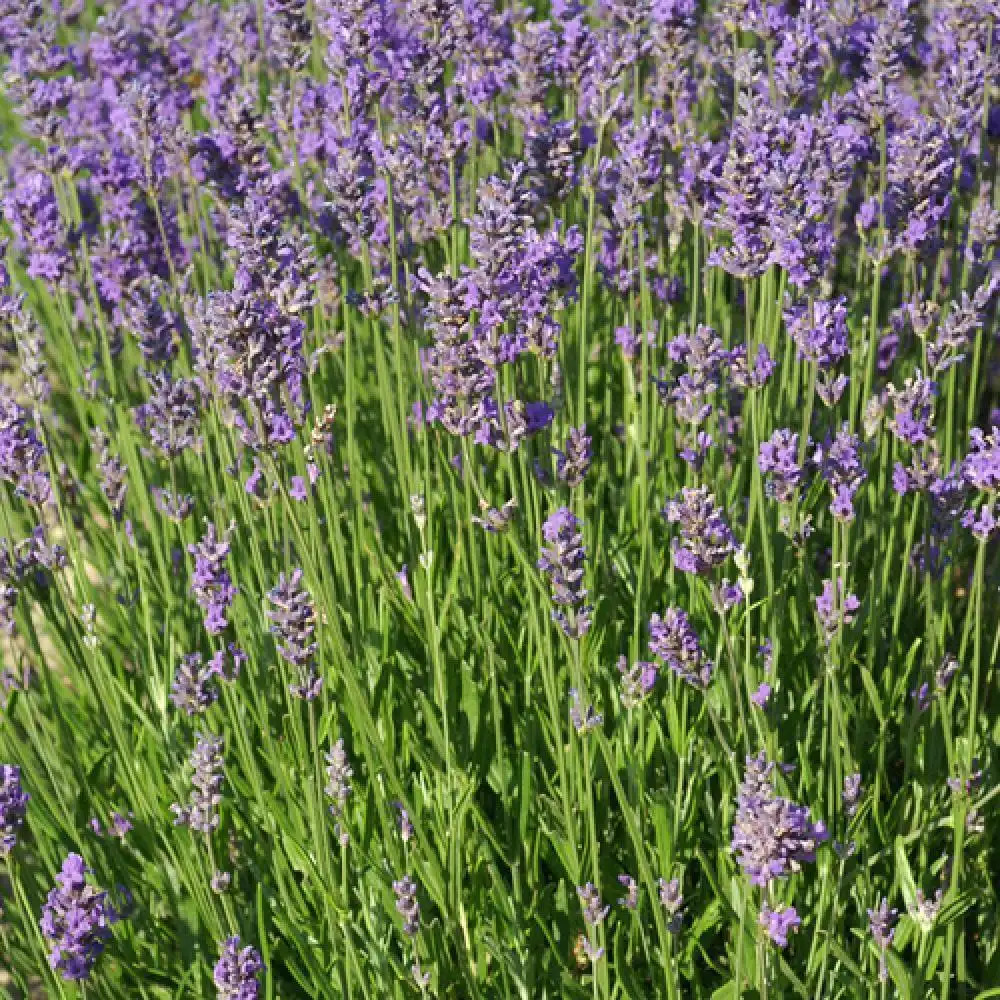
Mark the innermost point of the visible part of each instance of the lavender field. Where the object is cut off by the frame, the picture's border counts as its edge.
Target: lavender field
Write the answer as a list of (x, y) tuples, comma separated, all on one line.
[(499, 499)]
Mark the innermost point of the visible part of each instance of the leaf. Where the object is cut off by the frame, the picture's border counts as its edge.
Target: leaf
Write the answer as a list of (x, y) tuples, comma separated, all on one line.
[(905, 875)]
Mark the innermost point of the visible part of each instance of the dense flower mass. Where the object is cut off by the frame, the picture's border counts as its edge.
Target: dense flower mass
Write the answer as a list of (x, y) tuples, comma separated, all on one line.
[(440, 439)]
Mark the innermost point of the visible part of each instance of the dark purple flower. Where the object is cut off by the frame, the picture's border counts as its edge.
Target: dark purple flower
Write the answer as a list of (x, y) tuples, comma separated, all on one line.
[(779, 923), (706, 539), (13, 807), (772, 837), (76, 921), (673, 640), (563, 561), (201, 813), (237, 972)]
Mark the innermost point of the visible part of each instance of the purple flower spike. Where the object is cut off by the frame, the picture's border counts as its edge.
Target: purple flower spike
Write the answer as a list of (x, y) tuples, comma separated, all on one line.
[(201, 813), (211, 583), (406, 904), (673, 640), (779, 923), (13, 806), (831, 616), (706, 539), (562, 561), (882, 924), (293, 623), (76, 921), (631, 898), (237, 972), (772, 837), (778, 460)]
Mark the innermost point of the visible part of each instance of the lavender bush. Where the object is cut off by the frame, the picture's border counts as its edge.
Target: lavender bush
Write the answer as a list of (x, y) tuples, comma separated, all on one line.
[(499, 499)]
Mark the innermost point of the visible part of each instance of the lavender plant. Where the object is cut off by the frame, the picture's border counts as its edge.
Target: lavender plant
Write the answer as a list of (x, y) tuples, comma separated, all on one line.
[(441, 441)]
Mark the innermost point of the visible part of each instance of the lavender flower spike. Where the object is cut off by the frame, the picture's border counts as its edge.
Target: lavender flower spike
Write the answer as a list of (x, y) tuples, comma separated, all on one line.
[(706, 539), (882, 924), (293, 622), (772, 837), (407, 905), (563, 562), (202, 811), (779, 923), (237, 971), (13, 806), (76, 921), (673, 640)]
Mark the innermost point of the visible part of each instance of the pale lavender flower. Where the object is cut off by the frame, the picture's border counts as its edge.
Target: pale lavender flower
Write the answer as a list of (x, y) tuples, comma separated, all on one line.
[(762, 695), (584, 719), (201, 813), (851, 794), (406, 831), (574, 460), (882, 925), (338, 786), (631, 898), (778, 461), (672, 900), (835, 608), (594, 914), (637, 681), (779, 923), (192, 690), (293, 623), (772, 836)]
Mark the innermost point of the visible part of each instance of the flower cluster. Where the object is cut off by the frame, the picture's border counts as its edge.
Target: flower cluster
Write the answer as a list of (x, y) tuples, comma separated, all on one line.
[(76, 921)]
